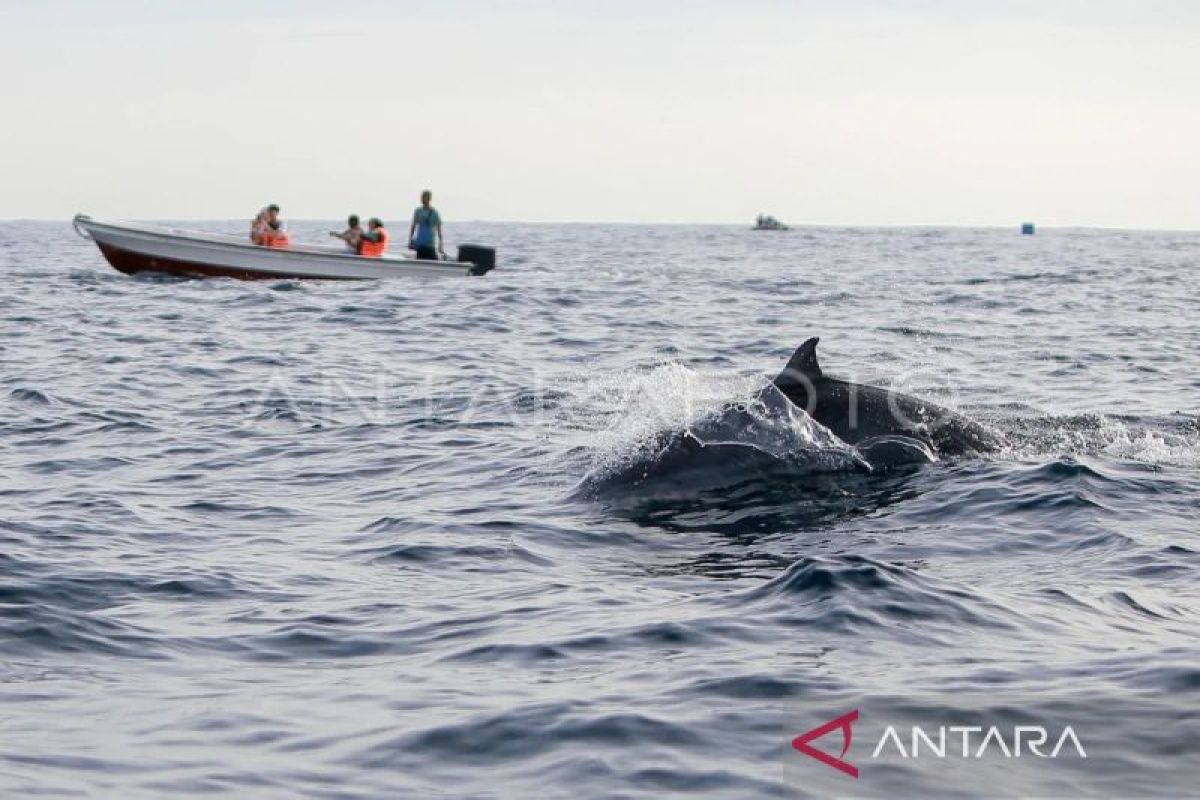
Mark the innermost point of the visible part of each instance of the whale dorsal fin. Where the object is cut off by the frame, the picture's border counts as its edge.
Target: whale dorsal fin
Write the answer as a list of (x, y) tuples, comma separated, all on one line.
[(802, 363)]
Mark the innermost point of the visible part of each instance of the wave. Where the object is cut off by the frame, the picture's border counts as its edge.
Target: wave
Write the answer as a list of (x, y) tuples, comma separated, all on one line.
[(855, 594)]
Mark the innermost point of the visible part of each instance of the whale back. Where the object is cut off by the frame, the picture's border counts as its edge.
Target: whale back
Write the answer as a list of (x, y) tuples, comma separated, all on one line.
[(855, 412)]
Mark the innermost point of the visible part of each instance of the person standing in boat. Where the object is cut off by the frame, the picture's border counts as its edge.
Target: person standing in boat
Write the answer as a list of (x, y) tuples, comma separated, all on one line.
[(426, 228), (352, 235), (375, 241), (268, 228)]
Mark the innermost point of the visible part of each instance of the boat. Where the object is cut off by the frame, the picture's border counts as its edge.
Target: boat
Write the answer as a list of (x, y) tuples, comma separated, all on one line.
[(766, 222), (136, 247)]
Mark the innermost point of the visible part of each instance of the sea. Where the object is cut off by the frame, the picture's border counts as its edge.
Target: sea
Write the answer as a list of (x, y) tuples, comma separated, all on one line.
[(415, 538)]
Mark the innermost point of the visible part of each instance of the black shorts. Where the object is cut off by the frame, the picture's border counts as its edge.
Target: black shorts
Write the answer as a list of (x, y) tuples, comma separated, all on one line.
[(427, 254)]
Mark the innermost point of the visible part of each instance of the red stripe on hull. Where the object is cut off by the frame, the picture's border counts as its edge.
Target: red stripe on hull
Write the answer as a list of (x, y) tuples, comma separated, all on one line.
[(131, 263)]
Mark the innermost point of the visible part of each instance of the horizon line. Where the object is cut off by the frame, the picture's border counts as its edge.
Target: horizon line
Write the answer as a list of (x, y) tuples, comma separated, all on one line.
[(659, 223)]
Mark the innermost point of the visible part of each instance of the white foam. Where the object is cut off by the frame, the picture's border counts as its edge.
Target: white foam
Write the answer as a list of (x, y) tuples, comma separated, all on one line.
[(622, 413), (1098, 435), (1152, 447)]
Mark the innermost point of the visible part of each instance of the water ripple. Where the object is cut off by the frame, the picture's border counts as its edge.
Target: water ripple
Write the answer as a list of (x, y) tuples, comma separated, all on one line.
[(305, 539)]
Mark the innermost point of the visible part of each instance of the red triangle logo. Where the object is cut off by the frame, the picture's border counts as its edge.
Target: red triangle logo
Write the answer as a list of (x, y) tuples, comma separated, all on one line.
[(843, 723)]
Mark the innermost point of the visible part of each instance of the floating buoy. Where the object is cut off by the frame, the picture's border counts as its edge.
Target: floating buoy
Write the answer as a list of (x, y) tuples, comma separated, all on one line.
[(1028, 228)]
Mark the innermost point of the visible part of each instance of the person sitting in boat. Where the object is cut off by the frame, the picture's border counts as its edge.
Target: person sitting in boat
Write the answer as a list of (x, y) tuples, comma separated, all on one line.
[(375, 240), (259, 224), (268, 229), (352, 235)]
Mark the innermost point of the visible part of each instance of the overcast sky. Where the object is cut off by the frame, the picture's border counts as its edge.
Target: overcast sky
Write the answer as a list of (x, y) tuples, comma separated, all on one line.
[(849, 112)]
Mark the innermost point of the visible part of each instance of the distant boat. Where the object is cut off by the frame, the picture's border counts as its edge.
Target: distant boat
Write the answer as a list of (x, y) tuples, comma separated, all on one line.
[(133, 248), (766, 222)]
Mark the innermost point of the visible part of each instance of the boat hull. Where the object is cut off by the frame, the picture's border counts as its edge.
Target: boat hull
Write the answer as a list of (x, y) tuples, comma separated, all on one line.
[(131, 263), (143, 248)]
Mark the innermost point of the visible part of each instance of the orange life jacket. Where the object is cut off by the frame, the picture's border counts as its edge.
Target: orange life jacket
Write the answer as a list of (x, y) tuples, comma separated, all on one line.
[(270, 238), (266, 236), (369, 249)]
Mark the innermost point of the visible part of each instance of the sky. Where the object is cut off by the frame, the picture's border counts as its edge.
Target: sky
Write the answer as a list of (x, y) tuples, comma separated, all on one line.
[(858, 112)]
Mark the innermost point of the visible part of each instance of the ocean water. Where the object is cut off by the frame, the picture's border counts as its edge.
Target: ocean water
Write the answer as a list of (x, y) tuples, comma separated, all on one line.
[(389, 539)]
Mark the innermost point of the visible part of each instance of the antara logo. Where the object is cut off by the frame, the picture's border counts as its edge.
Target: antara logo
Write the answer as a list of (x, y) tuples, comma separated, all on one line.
[(844, 723), (1030, 739)]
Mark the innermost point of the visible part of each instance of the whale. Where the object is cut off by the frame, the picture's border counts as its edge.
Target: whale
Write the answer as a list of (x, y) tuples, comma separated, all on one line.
[(885, 426), (801, 429)]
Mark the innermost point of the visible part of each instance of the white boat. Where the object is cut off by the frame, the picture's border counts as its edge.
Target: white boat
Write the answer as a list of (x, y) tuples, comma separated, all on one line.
[(133, 248)]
